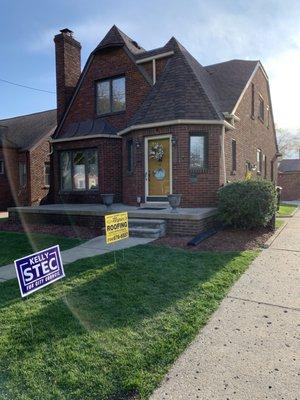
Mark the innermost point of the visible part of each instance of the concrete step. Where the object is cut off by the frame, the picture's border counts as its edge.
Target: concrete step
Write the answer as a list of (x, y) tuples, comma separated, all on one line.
[(141, 232), (146, 228), (147, 223)]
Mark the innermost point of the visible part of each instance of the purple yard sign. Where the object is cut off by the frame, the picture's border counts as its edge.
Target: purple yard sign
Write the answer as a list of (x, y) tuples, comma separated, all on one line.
[(39, 270)]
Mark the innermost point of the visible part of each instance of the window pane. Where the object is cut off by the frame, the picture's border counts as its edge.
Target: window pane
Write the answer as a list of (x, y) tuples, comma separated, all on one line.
[(92, 169), (233, 150), (65, 171), (118, 100), (47, 174), (197, 152), (1, 167), (79, 170), (22, 174), (103, 97)]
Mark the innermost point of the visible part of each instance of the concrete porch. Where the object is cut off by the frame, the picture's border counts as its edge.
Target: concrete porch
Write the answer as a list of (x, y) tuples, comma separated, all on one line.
[(187, 221)]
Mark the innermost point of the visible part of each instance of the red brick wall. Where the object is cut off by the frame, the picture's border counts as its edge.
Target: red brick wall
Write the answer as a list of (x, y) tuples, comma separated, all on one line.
[(290, 183), (197, 191), (68, 68), (8, 178), (109, 167), (107, 64), (251, 133), (38, 157)]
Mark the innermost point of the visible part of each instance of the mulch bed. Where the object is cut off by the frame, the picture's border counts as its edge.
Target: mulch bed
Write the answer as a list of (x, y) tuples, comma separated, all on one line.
[(225, 240), (81, 232)]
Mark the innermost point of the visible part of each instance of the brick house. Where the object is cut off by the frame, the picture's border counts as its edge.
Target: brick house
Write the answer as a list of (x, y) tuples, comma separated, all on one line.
[(142, 124), (24, 158), (289, 179)]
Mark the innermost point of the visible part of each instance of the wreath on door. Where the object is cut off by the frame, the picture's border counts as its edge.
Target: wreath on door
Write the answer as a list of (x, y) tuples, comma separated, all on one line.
[(156, 152)]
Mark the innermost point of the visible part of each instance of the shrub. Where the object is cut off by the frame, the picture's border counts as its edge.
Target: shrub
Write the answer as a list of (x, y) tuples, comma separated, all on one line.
[(247, 204)]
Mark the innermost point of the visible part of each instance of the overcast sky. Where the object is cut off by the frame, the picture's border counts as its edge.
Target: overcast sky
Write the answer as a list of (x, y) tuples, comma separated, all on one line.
[(212, 30)]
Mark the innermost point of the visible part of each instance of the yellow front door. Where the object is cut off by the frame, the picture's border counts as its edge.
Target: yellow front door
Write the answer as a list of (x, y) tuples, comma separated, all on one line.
[(159, 167)]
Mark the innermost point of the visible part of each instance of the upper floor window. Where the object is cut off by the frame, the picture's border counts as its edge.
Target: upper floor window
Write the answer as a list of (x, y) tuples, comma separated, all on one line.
[(110, 95), (233, 156), (259, 160), (1, 167), (252, 100), (47, 173), (22, 174), (198, 152), (261, 110)]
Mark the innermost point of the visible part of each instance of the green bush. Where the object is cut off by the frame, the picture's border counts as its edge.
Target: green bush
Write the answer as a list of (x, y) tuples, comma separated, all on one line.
[(247, 204)]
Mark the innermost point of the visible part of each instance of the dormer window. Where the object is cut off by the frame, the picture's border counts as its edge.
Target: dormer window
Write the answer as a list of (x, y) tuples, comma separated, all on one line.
[(110, 95)]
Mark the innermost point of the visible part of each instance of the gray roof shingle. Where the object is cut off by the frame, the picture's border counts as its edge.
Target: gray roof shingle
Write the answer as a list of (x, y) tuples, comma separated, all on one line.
[(25, 131), (229, 79), (291, 165)]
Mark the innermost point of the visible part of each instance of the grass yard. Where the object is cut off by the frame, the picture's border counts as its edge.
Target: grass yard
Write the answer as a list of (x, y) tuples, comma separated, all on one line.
[(110, 331), (286, 210), (16, 245)]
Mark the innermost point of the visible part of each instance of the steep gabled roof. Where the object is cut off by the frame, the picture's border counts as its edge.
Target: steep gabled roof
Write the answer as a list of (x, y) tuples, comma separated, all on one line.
[(291, 165), (116, 38), (229, 79), (25, 131), (182, 91)]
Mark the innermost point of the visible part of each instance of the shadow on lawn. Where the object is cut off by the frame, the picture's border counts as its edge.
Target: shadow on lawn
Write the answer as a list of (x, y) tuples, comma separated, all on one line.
[(101, 296)]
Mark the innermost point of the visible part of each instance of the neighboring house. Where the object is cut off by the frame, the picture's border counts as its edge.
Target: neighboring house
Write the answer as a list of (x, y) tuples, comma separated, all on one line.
[(24, 158), (289, 179), (143, 124)]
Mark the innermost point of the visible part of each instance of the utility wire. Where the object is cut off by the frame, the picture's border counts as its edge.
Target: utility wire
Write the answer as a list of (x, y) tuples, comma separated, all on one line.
[(26, 87)]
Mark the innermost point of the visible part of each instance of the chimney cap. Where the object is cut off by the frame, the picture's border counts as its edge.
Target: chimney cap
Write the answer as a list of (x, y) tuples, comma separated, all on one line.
[(67, 31)]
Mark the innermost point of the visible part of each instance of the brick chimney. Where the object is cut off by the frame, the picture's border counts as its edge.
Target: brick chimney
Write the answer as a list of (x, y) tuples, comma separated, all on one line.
[(68, 68)]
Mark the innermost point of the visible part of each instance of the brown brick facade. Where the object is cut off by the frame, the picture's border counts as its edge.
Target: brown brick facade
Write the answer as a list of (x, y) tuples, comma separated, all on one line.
[(107, 64), (251, 133), (290, 183), (198, 190)]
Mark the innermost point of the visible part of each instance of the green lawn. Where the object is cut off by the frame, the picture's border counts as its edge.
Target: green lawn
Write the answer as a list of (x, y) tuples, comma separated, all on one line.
[(16, 245), (278, 223), (110, 331), (286, 210)]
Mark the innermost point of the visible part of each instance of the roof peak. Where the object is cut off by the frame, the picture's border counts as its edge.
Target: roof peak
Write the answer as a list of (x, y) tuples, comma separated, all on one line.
[(117, 38)]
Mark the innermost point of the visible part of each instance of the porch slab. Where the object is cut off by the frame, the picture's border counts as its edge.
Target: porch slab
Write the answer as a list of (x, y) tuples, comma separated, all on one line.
[(189, 214)]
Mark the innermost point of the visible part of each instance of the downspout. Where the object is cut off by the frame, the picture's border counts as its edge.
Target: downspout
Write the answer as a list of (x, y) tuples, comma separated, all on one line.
[(223, 154)]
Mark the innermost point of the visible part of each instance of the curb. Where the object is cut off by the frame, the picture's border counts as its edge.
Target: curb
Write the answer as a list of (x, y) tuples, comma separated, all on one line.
[(273, 237)]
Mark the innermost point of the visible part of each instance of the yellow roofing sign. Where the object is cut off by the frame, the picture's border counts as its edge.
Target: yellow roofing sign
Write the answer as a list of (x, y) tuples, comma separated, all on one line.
[(116, 227)]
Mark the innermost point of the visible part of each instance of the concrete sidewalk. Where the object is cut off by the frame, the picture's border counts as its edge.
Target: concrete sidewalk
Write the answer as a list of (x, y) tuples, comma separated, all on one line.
[(250, 347), (93, 247)]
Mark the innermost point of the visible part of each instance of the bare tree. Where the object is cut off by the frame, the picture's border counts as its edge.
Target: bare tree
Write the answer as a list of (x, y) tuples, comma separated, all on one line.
[(288, 143)]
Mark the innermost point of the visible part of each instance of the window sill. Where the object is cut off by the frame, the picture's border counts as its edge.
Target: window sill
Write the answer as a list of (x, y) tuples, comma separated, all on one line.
[(194, 172), (78, 191), (233, 173), (252, 117), (110, 114)]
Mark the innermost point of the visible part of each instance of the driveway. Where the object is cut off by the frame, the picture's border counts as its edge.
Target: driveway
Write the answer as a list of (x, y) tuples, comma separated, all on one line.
[(250, 347)]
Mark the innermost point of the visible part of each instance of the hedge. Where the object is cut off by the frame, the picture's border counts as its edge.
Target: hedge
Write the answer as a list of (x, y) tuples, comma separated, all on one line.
[(247, 204)]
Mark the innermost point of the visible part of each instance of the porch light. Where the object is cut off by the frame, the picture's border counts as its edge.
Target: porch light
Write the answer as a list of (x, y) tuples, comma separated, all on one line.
[(137, 143)]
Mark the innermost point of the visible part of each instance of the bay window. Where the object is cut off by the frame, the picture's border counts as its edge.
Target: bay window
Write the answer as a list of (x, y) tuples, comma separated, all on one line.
[(79, 170)]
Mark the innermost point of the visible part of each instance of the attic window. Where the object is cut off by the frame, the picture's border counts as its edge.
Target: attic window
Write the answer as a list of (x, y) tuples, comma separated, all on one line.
[(110, 95)]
